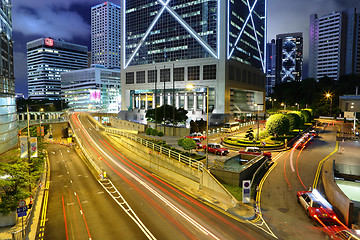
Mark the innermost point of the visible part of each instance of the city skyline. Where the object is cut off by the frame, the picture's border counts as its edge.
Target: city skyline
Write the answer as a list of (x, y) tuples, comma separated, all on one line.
[(41, 18)]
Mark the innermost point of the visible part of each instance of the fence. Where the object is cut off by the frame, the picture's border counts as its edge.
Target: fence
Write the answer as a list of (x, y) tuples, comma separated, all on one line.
[(166, 151)]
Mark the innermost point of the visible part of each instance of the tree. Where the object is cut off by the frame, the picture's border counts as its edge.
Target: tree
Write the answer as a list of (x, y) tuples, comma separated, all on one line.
[(306, 115), (277, 124), (201, 124), (297, 120), (188, 144), (148, 131), (160, 134), (154, 132), (250, 134), (193, 127), (180, 114), (180, 141), (13, 187)]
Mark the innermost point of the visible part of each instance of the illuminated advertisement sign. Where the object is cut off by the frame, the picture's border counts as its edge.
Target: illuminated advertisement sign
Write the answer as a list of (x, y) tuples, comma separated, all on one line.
[(95, 95)]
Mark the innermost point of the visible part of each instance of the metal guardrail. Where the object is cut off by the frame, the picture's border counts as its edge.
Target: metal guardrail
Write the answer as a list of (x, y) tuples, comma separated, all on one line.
[(166, 151), (23, 124)]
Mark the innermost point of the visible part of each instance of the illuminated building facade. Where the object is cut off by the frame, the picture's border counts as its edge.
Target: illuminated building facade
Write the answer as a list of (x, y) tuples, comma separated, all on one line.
[(334, 44), (47, 58), (168, 45), (270, 66), (92, 89), (105, 35), (289, 57), (8, 117)]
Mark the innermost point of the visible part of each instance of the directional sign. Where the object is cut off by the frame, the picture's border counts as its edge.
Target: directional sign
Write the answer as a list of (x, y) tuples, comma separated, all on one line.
[(21, 211)]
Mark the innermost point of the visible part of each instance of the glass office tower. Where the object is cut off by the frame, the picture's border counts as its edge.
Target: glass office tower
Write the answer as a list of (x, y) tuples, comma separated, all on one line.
[(8, 118), (170, 44)]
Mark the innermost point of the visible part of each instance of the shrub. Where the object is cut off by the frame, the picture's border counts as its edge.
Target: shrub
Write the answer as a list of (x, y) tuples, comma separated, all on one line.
[(277, 124)]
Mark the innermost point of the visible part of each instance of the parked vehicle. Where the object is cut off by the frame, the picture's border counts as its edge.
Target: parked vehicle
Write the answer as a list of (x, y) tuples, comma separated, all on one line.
[(197, 135), (314, 133), (216, 149), (198, 143), (231, 127), (255, 151)]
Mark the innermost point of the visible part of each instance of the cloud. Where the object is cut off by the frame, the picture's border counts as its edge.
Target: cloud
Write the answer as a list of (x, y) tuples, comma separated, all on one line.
[(60, 24)]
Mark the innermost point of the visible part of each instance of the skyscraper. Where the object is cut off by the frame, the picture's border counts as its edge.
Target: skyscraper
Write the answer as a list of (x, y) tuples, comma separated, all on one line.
[(334, 44), (46, 59), (105, 35), (289, 57), (215, 44), (8, 118), (270, 66)]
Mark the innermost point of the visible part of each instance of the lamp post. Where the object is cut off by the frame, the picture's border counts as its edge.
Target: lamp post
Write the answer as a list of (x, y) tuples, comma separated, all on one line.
[(284, 105), (258, 126), (329, 95), (41, 110), (191, 86), (298, 106)]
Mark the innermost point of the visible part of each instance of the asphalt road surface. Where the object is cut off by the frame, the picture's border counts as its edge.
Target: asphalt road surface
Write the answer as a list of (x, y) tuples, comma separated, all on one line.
[(79, 208), (295, 171), (165, 211)]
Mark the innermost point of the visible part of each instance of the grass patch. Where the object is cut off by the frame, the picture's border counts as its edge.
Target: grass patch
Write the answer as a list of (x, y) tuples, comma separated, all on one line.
[(235, 191)]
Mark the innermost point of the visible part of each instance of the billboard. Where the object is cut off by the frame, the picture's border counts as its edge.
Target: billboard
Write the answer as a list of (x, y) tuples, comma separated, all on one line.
[(95, 95), (23, 147), (33, 147)]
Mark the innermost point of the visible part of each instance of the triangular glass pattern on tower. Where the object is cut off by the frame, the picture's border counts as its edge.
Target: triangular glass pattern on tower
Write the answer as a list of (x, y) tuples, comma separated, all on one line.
[(231, 47), (165, 5)]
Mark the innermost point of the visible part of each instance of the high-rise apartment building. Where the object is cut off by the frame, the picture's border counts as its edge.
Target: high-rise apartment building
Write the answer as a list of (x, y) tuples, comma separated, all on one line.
[(216, 44), (8, 118), (270, 66), (334, 44), (47, 58), (92, 89), (289, 57), (105, 35)]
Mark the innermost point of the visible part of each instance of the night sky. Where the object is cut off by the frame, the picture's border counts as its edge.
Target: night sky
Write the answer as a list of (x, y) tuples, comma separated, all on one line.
[(70, 20)]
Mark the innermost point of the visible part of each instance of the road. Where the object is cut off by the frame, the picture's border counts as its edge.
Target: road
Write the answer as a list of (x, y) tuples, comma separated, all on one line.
[(79, 208), (165, 211), (294, 171)]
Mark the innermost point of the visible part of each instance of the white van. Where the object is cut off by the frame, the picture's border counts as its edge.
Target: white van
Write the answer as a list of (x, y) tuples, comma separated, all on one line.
[(231, 127)]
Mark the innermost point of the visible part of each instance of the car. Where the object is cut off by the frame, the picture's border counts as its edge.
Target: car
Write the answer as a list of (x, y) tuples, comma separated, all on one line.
[(340, 233), (216, 149), (255, 151), (314, 133), (303, 141), (197, 135), (316, 206), (198, 143)]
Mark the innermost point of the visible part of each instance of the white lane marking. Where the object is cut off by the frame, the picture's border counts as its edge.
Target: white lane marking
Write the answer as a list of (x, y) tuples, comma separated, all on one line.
[(68, 150), (100, 192), (81, 212), (166, 202), (68, 173), (60, 175), (53, 152), (70, 181)]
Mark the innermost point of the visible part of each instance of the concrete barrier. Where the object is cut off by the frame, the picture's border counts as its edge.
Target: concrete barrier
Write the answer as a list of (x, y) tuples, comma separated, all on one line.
[(342, 205), (163, 165), (8, 219)]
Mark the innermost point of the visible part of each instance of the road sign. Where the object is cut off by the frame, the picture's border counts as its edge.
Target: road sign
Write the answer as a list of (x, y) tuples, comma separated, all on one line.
[(263, 144), (22, 203), (21, 211), (246, 191)]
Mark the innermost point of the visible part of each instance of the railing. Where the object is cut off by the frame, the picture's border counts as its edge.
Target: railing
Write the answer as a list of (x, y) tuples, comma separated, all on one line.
[(166, 151), (23, 124)]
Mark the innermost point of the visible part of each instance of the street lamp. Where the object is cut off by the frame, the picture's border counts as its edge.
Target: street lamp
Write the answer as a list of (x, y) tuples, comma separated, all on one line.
[(190, 87), (296, 104), (329, 95), (284, 105)]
